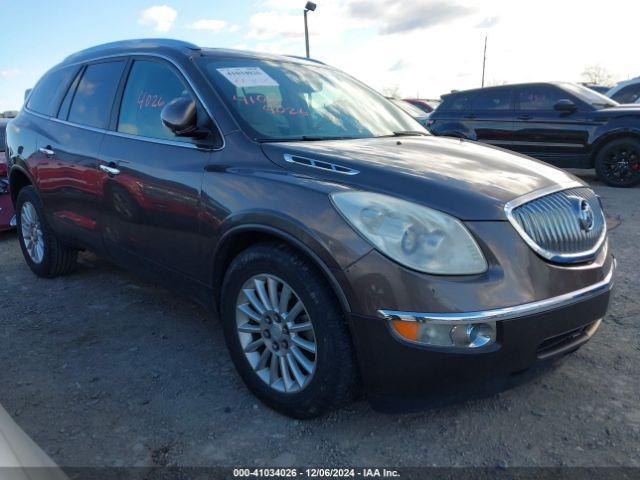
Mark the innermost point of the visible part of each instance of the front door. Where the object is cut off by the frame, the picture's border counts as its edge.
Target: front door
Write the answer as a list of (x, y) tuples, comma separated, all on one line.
[(540, 131), (152, 195)]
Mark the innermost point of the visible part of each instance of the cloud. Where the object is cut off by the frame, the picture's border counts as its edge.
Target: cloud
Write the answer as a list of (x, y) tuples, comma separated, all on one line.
[(10, 72), (400, 16), (161, 17), (488, 22), (211, 25)]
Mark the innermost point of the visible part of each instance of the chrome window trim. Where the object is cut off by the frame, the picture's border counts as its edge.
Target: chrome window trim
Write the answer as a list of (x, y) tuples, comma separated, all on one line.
[(551, 256), (136, 137), (507, 313), (288, 157)]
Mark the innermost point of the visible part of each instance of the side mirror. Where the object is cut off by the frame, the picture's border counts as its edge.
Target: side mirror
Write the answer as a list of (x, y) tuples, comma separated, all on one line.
[(565, 106), (179, 116)]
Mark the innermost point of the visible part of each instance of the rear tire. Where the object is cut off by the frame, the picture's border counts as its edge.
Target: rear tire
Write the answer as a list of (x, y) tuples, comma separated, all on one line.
[(331, 373), (618, 163), (46, 256)]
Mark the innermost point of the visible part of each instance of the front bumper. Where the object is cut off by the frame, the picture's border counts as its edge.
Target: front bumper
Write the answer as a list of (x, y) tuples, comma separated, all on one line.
[(401, 374)]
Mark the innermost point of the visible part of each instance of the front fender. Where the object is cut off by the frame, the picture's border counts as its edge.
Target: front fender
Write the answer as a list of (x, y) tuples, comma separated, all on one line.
[(266, 225), (615, 128)]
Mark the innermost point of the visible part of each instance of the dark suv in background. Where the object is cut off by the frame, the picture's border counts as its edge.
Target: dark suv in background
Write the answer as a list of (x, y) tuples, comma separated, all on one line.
[(341, 246), (565, 124)]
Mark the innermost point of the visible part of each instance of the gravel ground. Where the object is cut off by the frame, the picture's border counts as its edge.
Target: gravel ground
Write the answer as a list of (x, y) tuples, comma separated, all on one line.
[(102, 369)]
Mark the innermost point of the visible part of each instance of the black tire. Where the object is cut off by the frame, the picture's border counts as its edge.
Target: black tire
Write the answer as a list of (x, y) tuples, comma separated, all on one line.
[(57, 259), (618, 162), (335, 380)]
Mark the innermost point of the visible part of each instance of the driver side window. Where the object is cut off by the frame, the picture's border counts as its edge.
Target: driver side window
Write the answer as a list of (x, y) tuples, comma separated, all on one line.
[(150, 86), (539, 97)]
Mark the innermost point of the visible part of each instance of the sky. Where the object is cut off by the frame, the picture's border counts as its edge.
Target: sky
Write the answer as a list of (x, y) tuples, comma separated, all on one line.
[(413, 47)]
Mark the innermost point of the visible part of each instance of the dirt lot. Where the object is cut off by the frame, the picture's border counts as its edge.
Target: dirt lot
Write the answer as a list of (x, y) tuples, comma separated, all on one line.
[(101, 369)]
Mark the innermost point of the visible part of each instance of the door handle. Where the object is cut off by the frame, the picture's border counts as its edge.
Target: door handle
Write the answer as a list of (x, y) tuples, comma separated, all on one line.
[(109, 170), (47, 151), (524, 117)]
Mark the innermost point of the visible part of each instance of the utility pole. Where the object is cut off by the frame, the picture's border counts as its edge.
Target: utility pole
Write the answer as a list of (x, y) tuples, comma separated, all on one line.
[(484, 58), (309, 7)]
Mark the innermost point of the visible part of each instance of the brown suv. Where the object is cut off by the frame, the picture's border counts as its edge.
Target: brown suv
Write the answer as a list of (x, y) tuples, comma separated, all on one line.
[(343, 246)]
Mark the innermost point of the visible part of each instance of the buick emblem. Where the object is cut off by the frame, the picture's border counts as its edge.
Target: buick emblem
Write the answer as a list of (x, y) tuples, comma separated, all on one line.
[(585, 216)]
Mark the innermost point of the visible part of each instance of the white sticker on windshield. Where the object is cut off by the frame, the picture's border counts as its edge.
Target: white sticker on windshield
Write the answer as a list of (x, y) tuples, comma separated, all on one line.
[(248, 77)]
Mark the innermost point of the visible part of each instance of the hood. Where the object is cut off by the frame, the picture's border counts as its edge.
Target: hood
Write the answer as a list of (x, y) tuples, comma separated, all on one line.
[(465, 179), (619, 111)]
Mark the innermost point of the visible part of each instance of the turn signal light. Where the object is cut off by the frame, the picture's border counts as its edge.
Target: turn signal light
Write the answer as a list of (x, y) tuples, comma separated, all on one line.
[(465, 335)]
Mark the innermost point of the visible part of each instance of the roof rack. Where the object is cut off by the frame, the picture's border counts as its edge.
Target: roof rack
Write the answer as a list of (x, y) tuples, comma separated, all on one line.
[(142, 42)]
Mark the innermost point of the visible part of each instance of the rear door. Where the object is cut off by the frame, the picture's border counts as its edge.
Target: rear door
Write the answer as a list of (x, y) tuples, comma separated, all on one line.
[(152, 199), (491, 116), (68, 174), (540, 131)]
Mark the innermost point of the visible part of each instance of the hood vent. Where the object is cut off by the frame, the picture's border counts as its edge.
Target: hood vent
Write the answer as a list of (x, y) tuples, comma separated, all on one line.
[(309, 162)]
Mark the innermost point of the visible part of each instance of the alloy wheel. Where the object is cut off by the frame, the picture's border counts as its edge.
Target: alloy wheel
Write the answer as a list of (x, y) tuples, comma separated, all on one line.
[(31, 230), (276, 334), (622, 164)]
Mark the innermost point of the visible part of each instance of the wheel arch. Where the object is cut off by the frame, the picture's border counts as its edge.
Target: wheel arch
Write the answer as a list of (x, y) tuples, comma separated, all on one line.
[(18, 179), (608, 137), (241, 237)]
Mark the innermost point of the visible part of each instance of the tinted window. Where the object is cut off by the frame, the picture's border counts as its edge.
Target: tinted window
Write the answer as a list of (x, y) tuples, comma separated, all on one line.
[(628, 94), (493, 99), (2, 138), (540, 97), (63, 112), (456, 103), (46, 97), (94, 96), (151, 85)]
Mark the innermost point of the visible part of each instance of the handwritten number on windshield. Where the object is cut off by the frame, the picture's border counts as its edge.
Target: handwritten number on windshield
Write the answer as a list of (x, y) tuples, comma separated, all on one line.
[(274, 110)]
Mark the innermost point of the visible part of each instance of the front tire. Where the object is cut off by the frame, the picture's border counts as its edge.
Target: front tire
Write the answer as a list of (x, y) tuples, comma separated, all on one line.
[(286, 332), (618, 163), (46, 256)]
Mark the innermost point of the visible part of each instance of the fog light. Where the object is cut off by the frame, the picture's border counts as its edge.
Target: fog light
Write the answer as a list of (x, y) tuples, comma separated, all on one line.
[(467, 335), (473, 335)]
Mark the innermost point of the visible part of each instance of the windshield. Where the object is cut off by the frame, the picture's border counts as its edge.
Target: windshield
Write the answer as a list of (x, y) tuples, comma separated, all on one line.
[(277, 101), (409, 108), (587, 95)]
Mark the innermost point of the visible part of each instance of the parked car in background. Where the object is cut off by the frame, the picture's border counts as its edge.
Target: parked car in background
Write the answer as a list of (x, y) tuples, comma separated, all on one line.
[(427, 106), (626, 92), (343, 247), (9, 114), (417, 114), (565, 124), (602, 89), (7, 216)]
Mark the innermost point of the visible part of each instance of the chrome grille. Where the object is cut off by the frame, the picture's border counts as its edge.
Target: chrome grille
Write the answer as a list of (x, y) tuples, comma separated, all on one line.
[(564, 226)]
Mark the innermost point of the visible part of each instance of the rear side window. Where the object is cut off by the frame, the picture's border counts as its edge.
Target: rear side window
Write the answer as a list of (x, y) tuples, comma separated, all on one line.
[(3, 145), (540, 97), (151, 85), (456, 103), (493, 99), (47, 94), (94, 96), (628, 94)]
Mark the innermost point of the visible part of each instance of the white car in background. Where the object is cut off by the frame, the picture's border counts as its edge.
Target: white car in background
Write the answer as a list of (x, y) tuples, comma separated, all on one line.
[(626, 92)]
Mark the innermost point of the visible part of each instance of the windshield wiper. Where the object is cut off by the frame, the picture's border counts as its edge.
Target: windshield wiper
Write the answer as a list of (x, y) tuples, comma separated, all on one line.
[(303, 138), (410, 133)]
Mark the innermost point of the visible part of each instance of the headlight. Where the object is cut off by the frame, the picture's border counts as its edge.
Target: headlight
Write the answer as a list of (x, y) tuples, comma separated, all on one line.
[(415, 236)]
